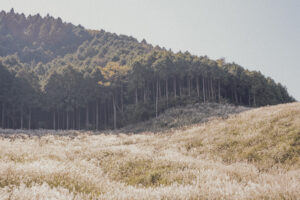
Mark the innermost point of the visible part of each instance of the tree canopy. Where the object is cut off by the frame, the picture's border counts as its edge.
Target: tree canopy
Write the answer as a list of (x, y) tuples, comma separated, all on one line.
[(59, 76)]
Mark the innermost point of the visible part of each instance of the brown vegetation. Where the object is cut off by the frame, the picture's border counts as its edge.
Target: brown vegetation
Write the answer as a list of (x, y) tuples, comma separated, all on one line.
[(251, 155)]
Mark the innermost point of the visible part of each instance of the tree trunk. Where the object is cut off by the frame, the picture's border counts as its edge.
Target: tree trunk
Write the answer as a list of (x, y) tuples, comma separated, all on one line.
[(254, 100), (240, 99), (208, 90), (74, 120), (105, 115), (153, 92), (174, 87), (97, 115), (67, 120), (58, 119), (115, 112), (145, 95), (219, 91), (179, 84), (87, 117), (156, 99), (203, 84), (122, 100), (21, 117), (3, 116), (189, 85), (79, 119), (197, 86), (212, 90), (235, 95), (167, 92), (159, 90), (13, 123), (136, 96), (249, 99), (63, 124), (29, 119)]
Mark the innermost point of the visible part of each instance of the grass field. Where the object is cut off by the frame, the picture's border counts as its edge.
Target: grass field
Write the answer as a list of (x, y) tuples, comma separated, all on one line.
[(251, 155)]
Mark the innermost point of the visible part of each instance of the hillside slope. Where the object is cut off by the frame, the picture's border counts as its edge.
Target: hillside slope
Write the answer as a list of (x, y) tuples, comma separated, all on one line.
[(55, 75), (184, 117), (251, 155)]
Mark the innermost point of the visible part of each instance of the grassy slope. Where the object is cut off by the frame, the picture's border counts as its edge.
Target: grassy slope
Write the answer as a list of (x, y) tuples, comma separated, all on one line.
[(251, 155), (184, 116), (268, 137)]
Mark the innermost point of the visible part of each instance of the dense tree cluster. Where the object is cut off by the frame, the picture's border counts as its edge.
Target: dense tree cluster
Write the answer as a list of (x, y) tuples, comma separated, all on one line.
[(99, 80), (37, 39)]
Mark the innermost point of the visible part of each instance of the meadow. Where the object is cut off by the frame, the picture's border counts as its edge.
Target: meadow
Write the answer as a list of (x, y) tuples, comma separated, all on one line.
[(254, 154)]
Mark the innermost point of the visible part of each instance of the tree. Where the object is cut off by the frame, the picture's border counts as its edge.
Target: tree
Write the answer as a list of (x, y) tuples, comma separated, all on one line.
[(114, 77), (5, 85)]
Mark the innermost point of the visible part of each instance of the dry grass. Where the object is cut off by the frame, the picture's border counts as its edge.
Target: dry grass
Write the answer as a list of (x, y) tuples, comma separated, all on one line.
[(183, 116), (251, 155)]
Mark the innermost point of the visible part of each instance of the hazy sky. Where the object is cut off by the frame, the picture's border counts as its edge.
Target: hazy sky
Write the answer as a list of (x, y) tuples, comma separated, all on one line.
[(261, 35)]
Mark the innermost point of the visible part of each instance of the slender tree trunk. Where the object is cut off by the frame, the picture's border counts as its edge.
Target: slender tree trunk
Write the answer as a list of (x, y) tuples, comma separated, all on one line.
[(254, 100), (159, 90), (21, 117), (180, 91), (145, 95), (249, 102), (197, 86), (8, 122), (105, 115), (62, 124), (203, 84), (115, 112), (136, 96), (79, 119), (67, 120), (3, 116), (212, 90), (153, 92), (156, 99), (54, 121), (219, 91), (167, 92), (29, 119), (13, 123), (97, 115), (74, 120), (58, 120), (122, 99), (235, 95), (174, 87), (87, 117), (207, 89), (189, 85)]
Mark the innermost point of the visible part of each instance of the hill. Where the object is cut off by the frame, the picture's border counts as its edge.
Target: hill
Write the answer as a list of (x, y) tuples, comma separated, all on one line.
[(251, 155), (56, 75), (184, 117)]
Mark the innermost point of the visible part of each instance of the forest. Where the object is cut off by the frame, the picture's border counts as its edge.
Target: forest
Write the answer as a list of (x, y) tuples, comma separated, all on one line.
[(55, 75)]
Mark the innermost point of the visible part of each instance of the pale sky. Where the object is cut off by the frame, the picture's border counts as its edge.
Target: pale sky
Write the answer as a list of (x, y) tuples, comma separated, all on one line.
[(261, 35)]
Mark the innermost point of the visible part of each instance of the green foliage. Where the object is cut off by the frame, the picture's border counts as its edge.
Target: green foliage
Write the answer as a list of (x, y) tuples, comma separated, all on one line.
[(57, 74)]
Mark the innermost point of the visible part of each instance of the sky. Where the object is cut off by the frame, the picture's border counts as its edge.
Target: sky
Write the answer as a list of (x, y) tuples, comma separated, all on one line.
[(262, 35)]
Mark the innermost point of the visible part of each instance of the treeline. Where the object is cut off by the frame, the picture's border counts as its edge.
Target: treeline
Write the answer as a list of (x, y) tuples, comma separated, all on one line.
[(59, 76), (74, 97), (38, 39)]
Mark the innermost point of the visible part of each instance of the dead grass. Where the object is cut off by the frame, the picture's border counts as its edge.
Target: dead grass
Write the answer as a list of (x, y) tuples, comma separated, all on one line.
[(251, 155), (267, 137)]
